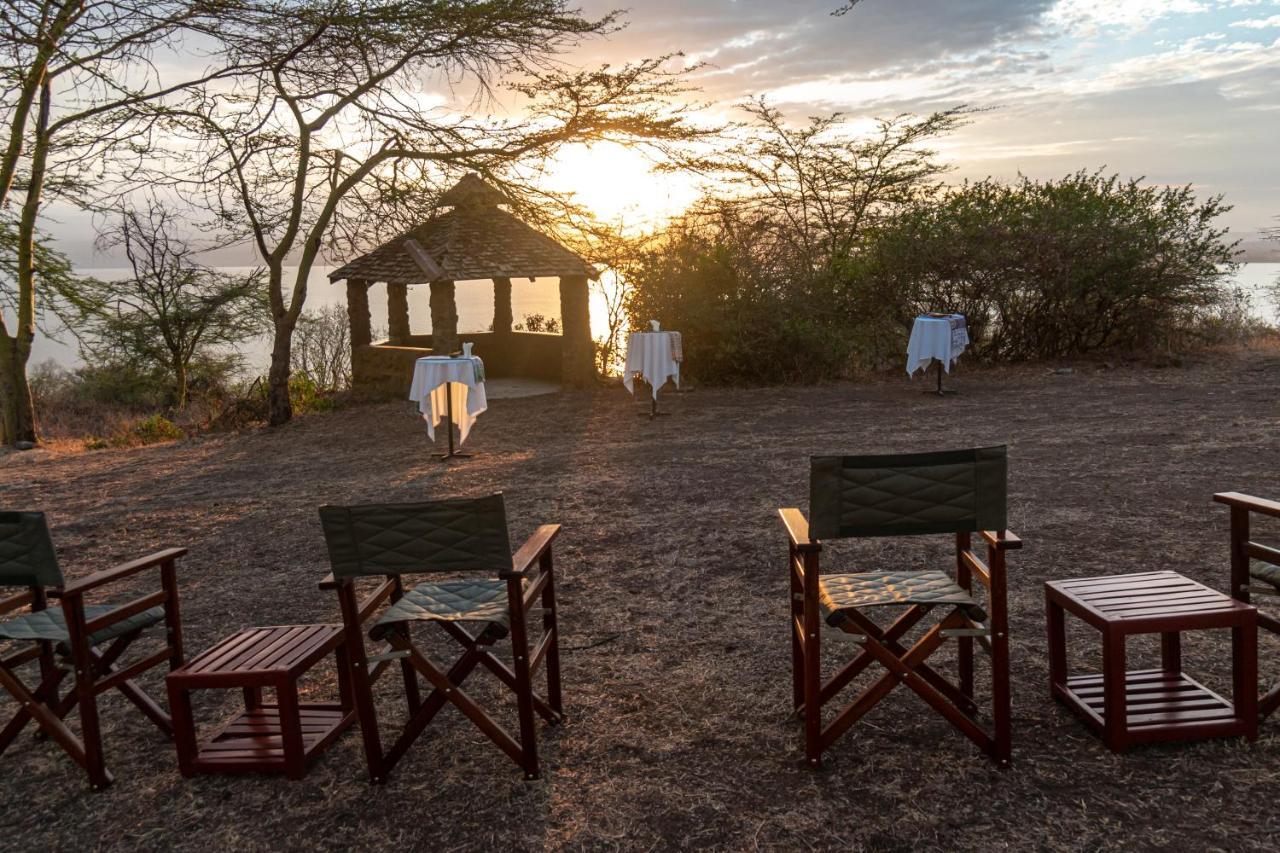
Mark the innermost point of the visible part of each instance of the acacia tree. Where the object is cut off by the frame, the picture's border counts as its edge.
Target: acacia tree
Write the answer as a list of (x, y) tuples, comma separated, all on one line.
[(808, 193), (172, 311), (67, 68), (340, 119)]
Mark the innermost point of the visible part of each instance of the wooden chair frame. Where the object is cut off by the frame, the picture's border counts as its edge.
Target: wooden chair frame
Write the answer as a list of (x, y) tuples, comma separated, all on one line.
[(1244, 549), (533, 563), (903, 664), (95, 671)]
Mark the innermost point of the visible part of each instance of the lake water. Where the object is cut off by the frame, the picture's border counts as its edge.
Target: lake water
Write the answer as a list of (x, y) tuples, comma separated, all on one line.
[(539, 296)]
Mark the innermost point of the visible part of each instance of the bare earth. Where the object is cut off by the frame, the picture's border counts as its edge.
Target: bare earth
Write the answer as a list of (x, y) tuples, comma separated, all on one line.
[(674, 601)]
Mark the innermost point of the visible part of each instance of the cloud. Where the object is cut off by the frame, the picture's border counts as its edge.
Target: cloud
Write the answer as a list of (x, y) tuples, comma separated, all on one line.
[(1258, 23), (1132, 16)]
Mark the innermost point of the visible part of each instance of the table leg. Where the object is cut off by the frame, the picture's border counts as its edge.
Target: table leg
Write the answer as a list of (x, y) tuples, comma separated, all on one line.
[(184, 729), (448, 408), (653, 406), (1115, 709), (295, 766), (1057, 646), (1244, 676), (1171, 652)]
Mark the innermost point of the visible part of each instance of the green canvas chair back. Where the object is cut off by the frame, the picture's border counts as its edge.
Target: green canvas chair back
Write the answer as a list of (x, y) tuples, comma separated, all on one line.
[(27, 557), (409, 538), (908, 494)]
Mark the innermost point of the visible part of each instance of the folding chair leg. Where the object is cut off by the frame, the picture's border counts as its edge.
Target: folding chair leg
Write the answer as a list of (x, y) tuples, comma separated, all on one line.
[(44, 693), (141, 700), (430, 707), (47, 720), (1002, 700), (812, 696), (551, 627), (357, 666), (465, 704), (1268, 702), (95, 762), (964, 654), (797, 649), (524, 683)]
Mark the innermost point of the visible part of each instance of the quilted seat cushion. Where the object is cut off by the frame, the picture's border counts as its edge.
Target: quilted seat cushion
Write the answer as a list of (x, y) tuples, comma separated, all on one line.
[(908, 494), (51, 624), (461, 600), (839, 593), (432, 536), (1265, 572)]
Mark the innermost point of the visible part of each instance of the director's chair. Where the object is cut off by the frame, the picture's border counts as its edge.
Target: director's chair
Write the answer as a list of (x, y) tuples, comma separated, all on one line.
[(84, 639), (495, 593), (959, 492), (1255, 570)]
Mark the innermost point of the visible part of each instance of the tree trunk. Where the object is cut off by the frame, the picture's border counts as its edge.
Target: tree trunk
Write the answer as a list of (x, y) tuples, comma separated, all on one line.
[(279, 406), (19, 417), (179, 385), (444, 318), (502, 314), (398, 313), (578, 359)]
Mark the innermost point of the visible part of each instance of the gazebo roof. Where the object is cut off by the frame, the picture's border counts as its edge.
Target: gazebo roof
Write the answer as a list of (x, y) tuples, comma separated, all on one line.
[(474, 240)]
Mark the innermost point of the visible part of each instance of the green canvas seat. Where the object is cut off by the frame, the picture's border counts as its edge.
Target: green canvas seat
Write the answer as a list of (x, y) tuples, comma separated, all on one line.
[(838, 594), (466, 600), (51, 624), (49, 617), (1265, 572)]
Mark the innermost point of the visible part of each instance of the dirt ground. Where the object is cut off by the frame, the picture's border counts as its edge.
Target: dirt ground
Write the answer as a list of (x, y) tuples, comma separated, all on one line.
[(674, 599)]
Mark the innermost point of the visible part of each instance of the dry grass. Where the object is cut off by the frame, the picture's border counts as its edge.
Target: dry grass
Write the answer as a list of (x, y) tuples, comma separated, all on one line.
[(674, 606)]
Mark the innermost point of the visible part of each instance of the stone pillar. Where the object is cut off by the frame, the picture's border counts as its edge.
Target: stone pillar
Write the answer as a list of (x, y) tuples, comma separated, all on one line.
[(358, 313), (444, 318), (502, 316), (579, 363), (398, 313)]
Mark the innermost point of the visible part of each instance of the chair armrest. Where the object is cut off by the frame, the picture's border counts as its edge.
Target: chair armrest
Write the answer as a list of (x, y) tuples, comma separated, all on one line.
[(798, 529), (1259, 505), (524, 558), (330, 582), (124, 570), (1002, 540)]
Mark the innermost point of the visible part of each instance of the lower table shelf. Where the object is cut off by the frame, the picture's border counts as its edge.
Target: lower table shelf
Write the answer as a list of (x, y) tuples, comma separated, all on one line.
[(254, 739), (1160, 705)]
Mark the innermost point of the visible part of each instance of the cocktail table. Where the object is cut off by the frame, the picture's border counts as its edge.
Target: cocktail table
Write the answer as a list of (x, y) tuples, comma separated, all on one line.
[(1140, 706), (279, 737)]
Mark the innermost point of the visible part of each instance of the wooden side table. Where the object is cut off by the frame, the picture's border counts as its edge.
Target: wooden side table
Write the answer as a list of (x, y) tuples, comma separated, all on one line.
[(1141, 706), (279, 737)]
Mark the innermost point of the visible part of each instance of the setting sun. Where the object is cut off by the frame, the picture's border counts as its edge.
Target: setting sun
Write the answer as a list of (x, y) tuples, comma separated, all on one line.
[(618, 183)]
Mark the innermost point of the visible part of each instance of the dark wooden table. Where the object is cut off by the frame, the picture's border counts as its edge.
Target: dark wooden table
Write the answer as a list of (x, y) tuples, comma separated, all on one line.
[(279, 737), (1140, 706)]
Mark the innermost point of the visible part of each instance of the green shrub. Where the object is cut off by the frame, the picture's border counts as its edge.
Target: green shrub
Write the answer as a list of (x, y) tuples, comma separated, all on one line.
[(1041, 269), (155, 428), (1047, 269)]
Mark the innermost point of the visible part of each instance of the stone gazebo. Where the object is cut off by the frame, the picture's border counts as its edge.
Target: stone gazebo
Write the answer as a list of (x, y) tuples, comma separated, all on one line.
[(476, 239)]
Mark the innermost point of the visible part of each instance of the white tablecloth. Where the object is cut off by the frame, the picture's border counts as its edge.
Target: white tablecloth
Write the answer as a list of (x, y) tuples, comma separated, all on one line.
[(436, 375), (934, 337), (649, 356)]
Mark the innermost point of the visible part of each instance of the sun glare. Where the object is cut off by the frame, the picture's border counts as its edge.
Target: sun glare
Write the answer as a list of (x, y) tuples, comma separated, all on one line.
[(619, 184)]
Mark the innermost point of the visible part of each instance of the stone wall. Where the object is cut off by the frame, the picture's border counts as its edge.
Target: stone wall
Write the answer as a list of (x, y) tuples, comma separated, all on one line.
[(385, 370)]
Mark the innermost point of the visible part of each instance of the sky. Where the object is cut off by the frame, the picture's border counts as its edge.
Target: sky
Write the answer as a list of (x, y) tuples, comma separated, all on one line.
[(1178, 91)]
